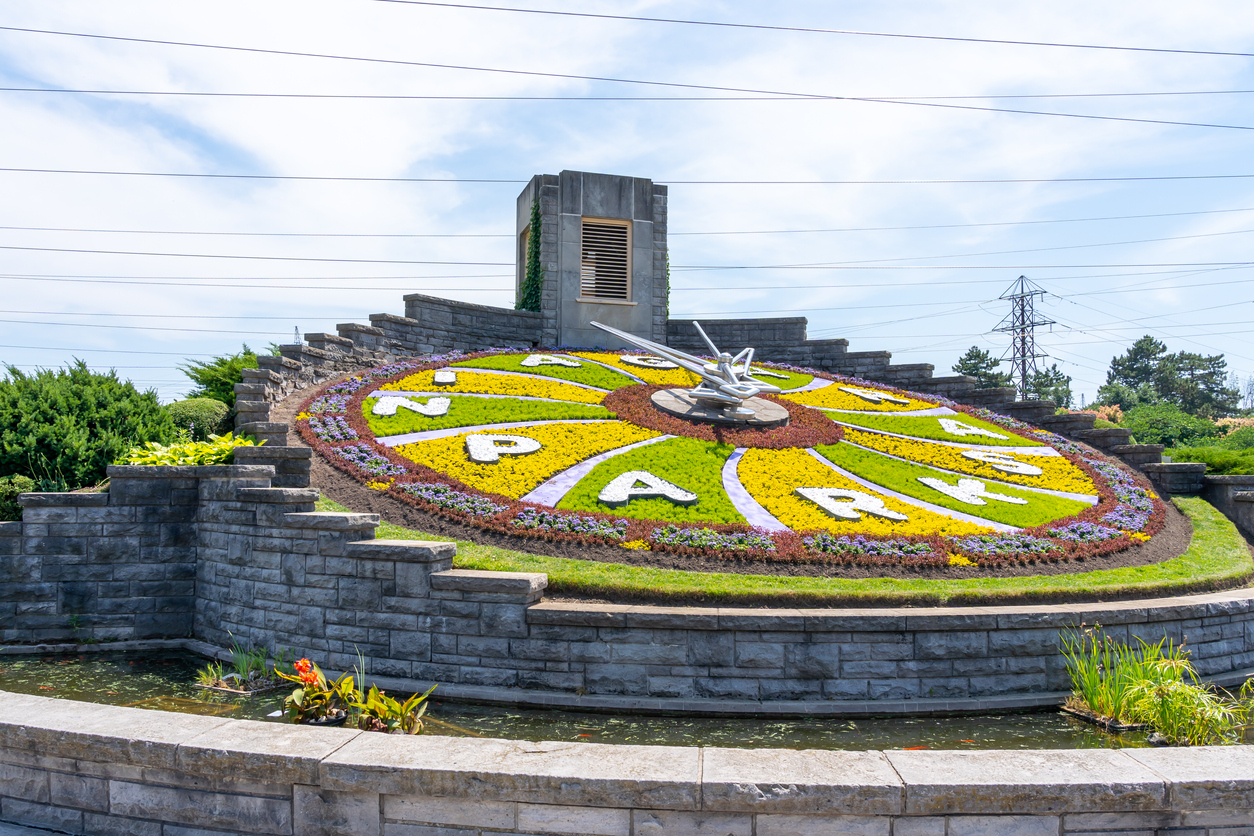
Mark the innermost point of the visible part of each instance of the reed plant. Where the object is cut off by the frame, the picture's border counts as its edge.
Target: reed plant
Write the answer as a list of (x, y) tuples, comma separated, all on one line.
[(1156, 685)]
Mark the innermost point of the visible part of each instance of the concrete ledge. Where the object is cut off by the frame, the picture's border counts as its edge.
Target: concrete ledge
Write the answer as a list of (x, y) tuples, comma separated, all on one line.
[(62, 500), (219, 471), (413, 551), (528, 584), (278, 496), (331, 521), (268, 452), (93, 768)]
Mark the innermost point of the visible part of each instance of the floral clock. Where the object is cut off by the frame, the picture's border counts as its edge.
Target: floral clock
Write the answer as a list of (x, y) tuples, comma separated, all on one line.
[(567, 444)]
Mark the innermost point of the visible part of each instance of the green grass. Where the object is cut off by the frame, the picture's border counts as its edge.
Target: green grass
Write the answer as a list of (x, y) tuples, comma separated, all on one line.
[(928, 426), (466, 411), (690, 463), (904, 478), (589, 373), (795, 379), (1217, 558)]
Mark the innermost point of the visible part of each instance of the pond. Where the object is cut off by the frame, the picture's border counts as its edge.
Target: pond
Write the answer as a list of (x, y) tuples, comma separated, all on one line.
[(163, 681)]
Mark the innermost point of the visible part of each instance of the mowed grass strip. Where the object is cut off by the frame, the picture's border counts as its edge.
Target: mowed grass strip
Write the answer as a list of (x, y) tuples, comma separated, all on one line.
[(1217, 558), (469, 411)]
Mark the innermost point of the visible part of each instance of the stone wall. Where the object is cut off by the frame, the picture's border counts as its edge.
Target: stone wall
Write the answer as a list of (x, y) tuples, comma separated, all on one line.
[(93, 769), (1234, 496), (272, 572)]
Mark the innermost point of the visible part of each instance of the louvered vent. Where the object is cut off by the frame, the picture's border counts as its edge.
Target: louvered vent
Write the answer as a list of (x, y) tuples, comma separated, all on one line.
[(605, 267)]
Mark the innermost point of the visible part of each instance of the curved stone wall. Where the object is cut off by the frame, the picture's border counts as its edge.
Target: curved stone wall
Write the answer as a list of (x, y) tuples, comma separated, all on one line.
[(92, 769), (271, 571)]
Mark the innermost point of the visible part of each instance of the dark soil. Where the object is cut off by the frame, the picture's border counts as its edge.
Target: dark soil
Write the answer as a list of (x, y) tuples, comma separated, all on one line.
[(1171, 542)]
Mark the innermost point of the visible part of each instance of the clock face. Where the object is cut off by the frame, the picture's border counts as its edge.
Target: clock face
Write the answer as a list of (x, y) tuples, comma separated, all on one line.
[(569, 444)]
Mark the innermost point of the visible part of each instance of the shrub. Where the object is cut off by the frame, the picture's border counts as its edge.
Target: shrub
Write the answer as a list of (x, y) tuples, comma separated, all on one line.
[(1169, 425), (216, 378), (10, 487), (1239, 439), (219, 449), (202, 417), (1218, 461), (62, 428)]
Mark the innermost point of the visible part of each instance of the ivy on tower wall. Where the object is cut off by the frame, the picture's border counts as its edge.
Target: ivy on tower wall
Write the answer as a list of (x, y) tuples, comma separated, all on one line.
[(533, 280)]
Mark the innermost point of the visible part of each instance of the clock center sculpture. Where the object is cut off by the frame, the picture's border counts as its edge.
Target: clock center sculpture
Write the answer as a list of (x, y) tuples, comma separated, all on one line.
[(728, 391)]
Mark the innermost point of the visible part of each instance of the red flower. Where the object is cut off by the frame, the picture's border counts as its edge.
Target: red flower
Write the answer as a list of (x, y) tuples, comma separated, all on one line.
[(303, 666)]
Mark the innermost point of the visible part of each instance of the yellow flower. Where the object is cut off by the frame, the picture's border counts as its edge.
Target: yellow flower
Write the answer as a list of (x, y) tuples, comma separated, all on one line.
[(486, 383), (561, 445), (772, 476), (960, 560), (304, 416), (382, 485), (1057, 473), (642, 545), (835, 397), (655, 377)]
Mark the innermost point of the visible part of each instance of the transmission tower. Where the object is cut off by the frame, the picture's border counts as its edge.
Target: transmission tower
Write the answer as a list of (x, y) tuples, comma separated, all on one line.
[(1021, 323)]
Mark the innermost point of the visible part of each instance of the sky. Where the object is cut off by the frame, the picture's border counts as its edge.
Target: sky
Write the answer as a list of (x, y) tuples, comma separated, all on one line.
[(142, 273)]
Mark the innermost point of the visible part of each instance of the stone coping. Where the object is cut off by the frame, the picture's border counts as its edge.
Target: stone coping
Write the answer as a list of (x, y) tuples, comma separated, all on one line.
[(888, 783)]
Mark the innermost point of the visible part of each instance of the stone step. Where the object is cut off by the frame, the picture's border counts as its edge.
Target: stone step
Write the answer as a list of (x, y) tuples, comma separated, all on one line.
[(272, 434), (279, 496), (1139, 454), (291, 464), (1104, 438), (1176, 477), (1068, 424), (1031, 412), (332, 521)]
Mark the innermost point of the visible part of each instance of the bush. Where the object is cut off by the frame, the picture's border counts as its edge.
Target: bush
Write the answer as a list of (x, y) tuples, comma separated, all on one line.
[(1219, 462), (1167, 424), (219, 449), (216, 378), (62, 428), (1240, 439), (10, 487), (202, 417)]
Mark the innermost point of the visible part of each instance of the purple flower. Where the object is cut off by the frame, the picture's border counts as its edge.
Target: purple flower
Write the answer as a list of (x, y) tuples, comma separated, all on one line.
[(862, 545), (1006, 544), (533, 519), (366, 459), (708, 538), (445, 497), (1084, 532)]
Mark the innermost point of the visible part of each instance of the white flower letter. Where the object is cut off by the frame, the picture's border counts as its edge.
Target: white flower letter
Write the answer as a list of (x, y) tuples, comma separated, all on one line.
[(445, 377), (970, 491), (533, 360), (433, 408), (766, 373), (826, 498), (1003, 462), (488, 449), (873, 396), (647, 361), (640, 484), (953, 427)]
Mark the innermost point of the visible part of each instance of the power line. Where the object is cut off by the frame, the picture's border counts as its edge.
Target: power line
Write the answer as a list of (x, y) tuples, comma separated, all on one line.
[(644, 82), (812, 30), (671, 234), (139, 327), (768, 98), (167, 316), (914, 182), (102, 350), (262, 257)]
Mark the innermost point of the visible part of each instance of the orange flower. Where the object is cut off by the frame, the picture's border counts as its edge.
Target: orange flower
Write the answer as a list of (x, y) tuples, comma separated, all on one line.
[(303, 666)]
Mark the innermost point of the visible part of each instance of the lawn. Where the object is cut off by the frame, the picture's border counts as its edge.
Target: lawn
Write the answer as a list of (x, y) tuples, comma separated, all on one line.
[(1216, 558)]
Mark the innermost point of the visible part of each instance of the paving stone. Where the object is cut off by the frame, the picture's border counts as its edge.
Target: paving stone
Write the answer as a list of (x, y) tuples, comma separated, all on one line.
[(791, 781)]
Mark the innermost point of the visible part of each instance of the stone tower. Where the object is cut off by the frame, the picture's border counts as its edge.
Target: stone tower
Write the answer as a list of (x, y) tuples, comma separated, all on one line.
[(603, 250)]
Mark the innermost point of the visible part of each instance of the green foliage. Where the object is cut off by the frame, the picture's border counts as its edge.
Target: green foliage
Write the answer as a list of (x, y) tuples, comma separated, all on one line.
[(1051, 385), (1242, 439), (201, 417), (219, 449), (466, 411), (980, 364), (533, 280), (690, 463), (589, 373), (62, 428), (1218, 461), (1169, 425), (928, 426), (210, 675), (216, 378), (1103, 424), (10, 487), (903, 477), (379, 712), (1197, 384), (1153, 684), (317, 697)]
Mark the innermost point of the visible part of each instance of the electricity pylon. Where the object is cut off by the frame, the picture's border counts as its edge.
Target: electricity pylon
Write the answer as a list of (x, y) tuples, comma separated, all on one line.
[(1021, 323)]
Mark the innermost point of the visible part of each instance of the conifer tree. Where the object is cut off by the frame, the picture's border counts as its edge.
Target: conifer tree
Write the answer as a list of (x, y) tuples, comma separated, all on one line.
[(533, 278)]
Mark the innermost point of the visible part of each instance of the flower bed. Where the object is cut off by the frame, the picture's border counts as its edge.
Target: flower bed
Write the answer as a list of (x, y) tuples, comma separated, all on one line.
[(469, 411), (831, 518), (959, 429), (587, 373)]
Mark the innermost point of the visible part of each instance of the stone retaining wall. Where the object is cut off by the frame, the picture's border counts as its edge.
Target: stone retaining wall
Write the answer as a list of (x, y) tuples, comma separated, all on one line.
[(270, 571), (94, 769)]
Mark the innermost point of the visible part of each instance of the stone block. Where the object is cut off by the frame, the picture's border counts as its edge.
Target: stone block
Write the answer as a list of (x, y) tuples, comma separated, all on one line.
[(60, 819), (483, 770), (733, 688), (919, 826), (577, 821), (950, 645), (659, 823), (248, 750), (709, 648), (1204, 777), (21, 782), (1003, 825), (819, 825), (99, 824), (527, 586), (318, 812), (790, 781), (939, 782), (77, 791)]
